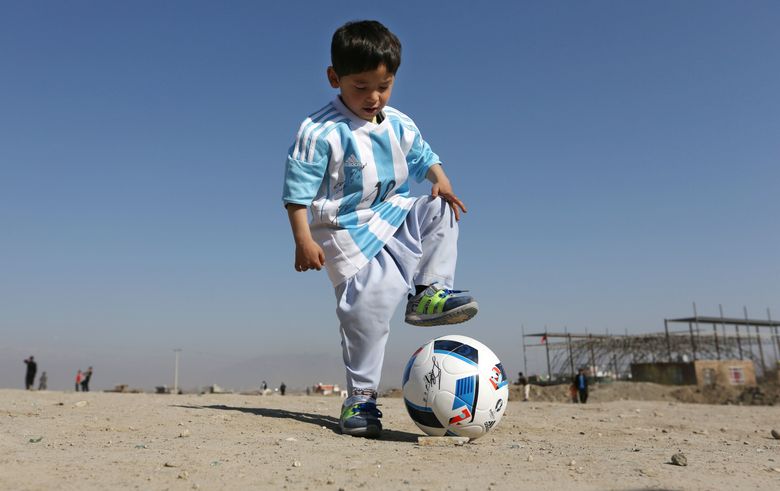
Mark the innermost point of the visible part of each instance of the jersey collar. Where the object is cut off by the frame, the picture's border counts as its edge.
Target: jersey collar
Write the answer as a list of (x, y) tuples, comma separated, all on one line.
[(355, 121)]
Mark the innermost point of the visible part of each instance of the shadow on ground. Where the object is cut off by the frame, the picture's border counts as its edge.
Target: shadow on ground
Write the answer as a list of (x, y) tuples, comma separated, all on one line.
[(320, 420)]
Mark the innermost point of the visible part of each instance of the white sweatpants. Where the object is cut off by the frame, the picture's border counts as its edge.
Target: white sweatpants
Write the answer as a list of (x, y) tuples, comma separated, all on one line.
[(423, 251)]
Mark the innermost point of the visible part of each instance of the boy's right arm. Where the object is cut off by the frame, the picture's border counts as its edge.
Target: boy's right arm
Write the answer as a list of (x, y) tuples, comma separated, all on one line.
[(308, 254)]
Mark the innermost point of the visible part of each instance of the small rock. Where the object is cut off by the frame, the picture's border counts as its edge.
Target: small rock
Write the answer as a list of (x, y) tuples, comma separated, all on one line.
[(297, 463), (775, 434), (35, 439), (582, 432), (80, 404), (776, 469), (291, 439), (168, 464), (679, 459), (530, 458), (572, 463), (184, 433), (183, 475)]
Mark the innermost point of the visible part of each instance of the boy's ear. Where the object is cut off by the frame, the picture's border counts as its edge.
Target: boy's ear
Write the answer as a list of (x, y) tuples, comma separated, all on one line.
[(333, 78)]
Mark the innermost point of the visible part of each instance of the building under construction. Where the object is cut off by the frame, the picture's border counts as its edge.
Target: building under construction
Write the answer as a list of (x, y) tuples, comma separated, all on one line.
[(700, 338)]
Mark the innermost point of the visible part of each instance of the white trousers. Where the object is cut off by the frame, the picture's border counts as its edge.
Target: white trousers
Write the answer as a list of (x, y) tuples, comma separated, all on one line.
[(423, 251)]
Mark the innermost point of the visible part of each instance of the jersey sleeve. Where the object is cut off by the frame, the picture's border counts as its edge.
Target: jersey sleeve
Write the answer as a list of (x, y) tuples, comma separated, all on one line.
[(420, 157), (306, 164)]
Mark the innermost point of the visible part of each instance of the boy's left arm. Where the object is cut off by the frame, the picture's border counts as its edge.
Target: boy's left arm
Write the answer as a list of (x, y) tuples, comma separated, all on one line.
[(442, 187)]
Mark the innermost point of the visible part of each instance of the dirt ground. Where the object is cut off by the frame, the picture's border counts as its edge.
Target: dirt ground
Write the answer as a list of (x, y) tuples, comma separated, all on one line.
[(57, 440)]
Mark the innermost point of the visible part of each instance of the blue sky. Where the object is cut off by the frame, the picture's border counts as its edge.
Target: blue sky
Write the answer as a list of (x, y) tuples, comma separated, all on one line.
[(620, 160)]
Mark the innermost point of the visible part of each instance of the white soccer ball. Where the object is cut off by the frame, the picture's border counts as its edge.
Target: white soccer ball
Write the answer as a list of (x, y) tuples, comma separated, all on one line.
[(455, 385)]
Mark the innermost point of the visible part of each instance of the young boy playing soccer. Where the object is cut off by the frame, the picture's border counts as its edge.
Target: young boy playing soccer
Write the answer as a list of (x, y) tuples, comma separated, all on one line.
[(349, 166)]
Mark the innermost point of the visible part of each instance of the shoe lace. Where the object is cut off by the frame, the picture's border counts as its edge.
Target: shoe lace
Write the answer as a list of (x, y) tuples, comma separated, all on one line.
[(444, 292), (369, 408)]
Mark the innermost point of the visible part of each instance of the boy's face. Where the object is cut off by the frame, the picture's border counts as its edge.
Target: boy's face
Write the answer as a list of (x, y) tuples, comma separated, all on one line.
[(365, 93)]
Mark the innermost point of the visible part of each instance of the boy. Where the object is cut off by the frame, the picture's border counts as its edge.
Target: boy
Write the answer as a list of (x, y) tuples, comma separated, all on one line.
[(349, 164)]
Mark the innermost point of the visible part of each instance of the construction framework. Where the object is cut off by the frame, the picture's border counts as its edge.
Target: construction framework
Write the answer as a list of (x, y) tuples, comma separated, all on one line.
[(611, 355)]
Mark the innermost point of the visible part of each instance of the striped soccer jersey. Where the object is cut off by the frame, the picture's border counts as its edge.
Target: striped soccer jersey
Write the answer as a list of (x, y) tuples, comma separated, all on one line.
[(353, 175)]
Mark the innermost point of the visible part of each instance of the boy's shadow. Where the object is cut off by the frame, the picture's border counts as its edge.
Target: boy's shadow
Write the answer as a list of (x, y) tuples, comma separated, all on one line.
[(320, 420)]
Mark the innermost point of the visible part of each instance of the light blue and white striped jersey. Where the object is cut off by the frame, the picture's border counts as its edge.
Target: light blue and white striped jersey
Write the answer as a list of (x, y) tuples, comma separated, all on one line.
[(353, 175)]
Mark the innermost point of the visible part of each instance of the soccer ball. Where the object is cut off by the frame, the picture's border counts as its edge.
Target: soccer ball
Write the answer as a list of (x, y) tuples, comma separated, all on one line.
[(455, 385)]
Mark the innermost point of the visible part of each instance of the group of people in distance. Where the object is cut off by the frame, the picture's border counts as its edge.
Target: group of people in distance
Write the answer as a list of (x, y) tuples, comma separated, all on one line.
[(29, 377), (82, 378)]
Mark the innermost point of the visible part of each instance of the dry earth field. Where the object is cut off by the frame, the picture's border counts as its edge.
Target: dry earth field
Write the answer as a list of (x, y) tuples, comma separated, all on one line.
[(61, 440)]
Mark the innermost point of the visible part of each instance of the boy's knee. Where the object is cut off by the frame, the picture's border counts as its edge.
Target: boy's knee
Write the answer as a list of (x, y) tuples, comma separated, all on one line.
[(436, 204), (437, 208)]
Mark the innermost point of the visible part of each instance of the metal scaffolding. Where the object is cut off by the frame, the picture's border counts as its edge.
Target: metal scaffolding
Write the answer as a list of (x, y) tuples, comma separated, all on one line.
[(611, 355)]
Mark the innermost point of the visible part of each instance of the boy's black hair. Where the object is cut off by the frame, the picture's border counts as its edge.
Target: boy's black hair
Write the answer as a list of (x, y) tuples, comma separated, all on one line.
[(364, 45)]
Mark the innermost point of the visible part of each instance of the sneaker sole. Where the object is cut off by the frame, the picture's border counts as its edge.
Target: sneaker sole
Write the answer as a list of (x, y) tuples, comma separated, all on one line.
[(454, 316), (367, 432)]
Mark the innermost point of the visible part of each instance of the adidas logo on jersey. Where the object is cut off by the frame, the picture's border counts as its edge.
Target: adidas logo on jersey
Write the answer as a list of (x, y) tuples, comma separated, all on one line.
[(352, 161)]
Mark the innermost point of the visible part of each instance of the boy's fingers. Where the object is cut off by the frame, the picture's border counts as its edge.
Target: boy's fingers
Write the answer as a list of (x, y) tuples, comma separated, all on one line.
[(458, 202)]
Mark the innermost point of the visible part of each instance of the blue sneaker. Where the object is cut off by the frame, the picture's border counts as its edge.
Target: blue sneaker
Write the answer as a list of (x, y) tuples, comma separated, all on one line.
[(361, 419), (436, 306)]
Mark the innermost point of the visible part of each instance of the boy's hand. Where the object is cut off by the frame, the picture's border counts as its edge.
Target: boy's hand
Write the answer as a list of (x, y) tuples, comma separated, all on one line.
[(308, 255), (442, 187)]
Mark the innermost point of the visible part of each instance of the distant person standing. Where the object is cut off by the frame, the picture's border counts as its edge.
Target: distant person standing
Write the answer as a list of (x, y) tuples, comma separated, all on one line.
[(78, 380), (523, 383), (264, 386), (87, 378), (581, 384), (43, 381), (282, 388), (573, 393), (32, 368)]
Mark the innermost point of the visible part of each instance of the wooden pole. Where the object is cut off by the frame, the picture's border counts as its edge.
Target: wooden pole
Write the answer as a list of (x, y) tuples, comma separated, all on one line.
[(758, 339), (525, 359), (693, 341), (547, 349), (668, 341)]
